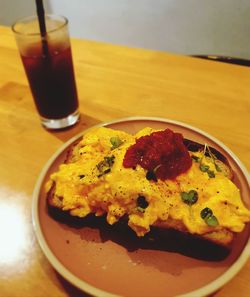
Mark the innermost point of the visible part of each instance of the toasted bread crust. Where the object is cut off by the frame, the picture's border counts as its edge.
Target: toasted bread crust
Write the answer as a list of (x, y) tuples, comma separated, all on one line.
[(222, 237)]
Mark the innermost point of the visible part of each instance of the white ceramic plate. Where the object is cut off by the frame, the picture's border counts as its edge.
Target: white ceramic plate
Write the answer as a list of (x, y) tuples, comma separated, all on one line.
[(103, 262)]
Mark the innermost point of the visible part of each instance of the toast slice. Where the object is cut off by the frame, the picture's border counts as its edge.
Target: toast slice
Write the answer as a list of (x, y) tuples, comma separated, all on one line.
[(219, 235)]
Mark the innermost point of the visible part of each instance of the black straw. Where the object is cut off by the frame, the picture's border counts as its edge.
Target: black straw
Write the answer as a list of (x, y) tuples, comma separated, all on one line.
[(42, 26)]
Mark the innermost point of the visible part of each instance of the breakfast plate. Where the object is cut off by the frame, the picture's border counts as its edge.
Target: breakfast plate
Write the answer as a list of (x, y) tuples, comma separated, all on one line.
[(102, 261)]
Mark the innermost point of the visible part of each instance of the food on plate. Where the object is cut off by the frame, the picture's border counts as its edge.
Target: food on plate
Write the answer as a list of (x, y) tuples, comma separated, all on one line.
[(153, 178)]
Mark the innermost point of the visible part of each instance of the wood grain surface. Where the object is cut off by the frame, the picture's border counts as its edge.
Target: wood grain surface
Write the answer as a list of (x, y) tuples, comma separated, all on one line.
[(113, 82)]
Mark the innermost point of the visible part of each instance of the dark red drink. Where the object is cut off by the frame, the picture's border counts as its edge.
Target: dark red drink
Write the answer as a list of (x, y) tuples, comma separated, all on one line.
[(51, 80)]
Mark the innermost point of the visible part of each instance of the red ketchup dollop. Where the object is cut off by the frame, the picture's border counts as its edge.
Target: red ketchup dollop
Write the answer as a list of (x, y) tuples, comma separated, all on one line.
[(162, 153)]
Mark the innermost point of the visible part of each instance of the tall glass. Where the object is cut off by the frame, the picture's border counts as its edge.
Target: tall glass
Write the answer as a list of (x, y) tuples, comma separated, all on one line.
[(49, 68)]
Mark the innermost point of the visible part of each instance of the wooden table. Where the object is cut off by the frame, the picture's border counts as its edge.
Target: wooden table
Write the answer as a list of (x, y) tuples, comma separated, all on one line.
[(113, 82)]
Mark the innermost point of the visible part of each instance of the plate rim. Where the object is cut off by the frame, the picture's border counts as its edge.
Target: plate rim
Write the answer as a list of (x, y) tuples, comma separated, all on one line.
[(84, 286)]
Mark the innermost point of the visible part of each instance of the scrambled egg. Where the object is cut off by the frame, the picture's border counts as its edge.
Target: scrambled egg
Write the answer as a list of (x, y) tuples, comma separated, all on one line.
[(95, 181)]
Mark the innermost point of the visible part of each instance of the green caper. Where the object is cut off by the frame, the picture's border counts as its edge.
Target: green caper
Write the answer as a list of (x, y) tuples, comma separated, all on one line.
[(142, 202), (212, 221), (206, 212), (190, 197)]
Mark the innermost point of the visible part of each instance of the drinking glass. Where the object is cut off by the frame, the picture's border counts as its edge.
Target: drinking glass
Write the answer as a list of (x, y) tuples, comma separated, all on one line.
[(47, 61)]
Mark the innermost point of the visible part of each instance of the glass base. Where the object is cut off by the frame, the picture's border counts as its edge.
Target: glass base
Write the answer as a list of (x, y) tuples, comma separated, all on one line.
[(66, 122)]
